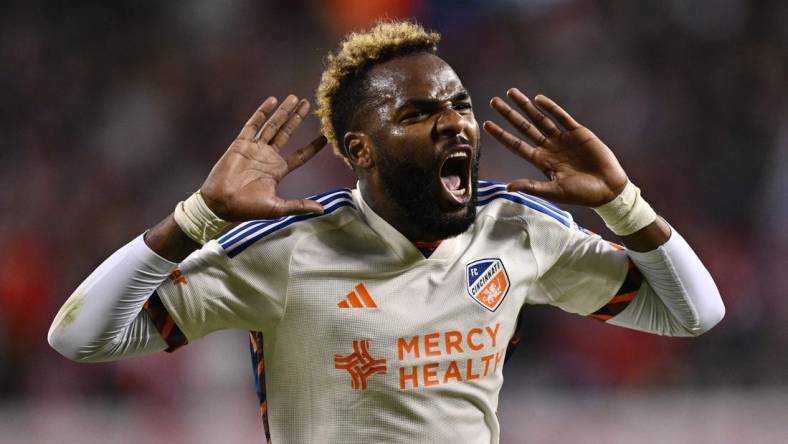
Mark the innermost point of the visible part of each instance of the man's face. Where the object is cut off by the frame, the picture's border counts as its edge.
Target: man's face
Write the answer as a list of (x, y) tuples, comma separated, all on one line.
[(426, 142)]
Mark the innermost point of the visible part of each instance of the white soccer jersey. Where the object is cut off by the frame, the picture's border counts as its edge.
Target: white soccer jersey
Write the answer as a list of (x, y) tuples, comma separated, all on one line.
[(365, 339)]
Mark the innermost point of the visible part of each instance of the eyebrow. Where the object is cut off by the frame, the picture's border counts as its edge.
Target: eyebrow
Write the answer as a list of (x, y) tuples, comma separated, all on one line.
[(421, 102)]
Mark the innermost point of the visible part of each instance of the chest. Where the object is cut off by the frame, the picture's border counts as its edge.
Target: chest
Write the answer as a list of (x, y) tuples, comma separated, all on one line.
[(428, 322)]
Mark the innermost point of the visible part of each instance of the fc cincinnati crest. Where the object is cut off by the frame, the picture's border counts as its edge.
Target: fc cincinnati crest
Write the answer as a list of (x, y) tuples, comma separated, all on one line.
[(488, 282)]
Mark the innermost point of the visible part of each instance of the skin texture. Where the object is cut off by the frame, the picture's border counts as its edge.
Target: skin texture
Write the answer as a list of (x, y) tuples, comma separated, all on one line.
[(421, 111), (420, 114)]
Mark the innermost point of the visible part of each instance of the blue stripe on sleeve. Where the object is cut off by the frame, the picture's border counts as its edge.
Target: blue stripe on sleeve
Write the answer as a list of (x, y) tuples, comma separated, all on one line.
[(490, 191), (248, 233)]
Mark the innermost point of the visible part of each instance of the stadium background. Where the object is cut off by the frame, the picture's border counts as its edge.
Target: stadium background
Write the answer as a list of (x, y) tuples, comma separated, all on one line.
[(112, 111)]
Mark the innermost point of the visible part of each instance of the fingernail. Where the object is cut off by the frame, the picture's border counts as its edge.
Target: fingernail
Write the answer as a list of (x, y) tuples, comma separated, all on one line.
[(517, 92)]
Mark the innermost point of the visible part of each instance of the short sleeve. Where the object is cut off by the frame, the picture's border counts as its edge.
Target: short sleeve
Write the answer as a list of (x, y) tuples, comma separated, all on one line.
[(580, 272), (211, 291)]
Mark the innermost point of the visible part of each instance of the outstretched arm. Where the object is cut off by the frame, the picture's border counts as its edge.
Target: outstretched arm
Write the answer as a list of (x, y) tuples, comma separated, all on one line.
[(104, 318), (582, 170)]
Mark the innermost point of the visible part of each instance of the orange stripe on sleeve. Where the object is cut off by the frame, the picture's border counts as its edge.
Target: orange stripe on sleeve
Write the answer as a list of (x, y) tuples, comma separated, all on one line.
[(165, 331), (626, 297)]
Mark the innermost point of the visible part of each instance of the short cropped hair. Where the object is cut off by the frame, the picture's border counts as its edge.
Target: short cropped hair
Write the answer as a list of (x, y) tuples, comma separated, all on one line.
[(341, 88)]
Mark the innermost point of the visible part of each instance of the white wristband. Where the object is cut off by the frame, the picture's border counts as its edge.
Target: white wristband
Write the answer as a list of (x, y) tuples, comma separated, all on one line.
[(627, 213), (197, 220)]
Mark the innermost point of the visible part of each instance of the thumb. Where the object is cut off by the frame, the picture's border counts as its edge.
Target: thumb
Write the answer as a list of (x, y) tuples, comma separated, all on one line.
[(297, 206), (547, 190)]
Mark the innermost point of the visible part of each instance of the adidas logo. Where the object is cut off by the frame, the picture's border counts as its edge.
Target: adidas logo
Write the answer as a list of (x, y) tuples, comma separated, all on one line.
[(359, 298)]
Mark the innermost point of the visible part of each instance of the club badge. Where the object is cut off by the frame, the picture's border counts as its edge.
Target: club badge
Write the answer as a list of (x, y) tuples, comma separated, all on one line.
[(488, 282)]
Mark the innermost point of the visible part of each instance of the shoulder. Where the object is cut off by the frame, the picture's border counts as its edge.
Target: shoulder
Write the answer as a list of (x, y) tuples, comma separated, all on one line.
[(497, 203), (250, 233)]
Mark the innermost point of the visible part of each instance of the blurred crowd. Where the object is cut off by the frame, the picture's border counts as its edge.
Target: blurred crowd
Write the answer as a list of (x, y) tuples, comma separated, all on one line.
[(114, 111)]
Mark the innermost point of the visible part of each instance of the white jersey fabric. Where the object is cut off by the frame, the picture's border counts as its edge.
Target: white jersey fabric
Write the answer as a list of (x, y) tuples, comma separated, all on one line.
[(365, 339)]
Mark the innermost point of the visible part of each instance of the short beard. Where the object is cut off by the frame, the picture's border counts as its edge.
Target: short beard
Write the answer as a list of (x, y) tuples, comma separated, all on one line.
[(412, 189)]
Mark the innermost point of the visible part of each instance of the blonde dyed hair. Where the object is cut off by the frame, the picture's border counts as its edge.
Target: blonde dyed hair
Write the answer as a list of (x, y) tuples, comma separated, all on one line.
[(356, 54)]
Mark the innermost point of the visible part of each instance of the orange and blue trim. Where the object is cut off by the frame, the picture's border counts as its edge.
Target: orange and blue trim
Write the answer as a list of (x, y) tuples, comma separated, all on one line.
[(258, 372), (625, 294), (164, 323)]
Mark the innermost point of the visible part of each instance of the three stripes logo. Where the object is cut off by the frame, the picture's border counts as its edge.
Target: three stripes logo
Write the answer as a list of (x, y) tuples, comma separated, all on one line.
[(359, 298)]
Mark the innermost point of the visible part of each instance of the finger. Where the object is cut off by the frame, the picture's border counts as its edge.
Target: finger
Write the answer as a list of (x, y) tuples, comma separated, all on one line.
[(293, 122), (296, 206), (517, 120), (557, 113), (548, 190), (253, 124), (279, 117), (544, 123), (302, 155), (517, 145)]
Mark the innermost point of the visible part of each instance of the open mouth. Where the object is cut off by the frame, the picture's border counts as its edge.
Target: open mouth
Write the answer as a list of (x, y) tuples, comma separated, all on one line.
[(455, 175)]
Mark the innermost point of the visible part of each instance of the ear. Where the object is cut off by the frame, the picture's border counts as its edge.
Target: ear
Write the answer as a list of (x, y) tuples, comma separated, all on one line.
[(359, 150)]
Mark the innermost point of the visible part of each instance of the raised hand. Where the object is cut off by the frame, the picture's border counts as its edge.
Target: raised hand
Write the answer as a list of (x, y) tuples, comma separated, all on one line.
[(581, 169), (242, 185)]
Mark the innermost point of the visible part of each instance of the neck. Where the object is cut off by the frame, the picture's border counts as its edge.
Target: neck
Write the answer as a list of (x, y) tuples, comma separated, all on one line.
[(392, 214)]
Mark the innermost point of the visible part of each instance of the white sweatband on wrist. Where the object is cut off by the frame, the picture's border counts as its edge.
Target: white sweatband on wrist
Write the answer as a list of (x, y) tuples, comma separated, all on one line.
[(197, 220), (627, 213)]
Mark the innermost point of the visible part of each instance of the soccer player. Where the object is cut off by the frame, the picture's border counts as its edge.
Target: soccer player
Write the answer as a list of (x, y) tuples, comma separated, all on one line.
[(384, 313)]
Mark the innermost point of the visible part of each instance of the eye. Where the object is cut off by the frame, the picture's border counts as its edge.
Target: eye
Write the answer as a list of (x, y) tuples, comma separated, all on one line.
[(462, 106), (415, 115)]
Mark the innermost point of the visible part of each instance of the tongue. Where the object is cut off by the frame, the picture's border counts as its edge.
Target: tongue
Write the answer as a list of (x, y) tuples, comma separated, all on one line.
[(451, 182)]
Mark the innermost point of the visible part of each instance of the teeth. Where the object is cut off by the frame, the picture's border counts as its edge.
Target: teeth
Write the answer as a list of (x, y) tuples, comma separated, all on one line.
[(458, 154), (458, 192)]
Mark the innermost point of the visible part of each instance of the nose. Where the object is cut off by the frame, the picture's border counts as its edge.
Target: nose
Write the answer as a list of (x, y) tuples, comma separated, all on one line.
[(451, 123)]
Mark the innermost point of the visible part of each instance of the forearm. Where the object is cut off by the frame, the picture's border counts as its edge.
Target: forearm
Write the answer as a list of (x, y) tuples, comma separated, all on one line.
[(169, 241), (103, 319), (678, 296), (648, 238)]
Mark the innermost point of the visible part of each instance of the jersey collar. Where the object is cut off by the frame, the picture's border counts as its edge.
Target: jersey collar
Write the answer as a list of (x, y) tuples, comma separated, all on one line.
[(403, 247)]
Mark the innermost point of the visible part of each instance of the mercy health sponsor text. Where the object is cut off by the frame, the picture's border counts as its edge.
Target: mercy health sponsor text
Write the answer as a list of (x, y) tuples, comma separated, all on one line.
[(454, 344)]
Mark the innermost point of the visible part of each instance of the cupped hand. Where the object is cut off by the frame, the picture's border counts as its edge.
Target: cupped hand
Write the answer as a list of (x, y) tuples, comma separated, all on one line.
[(243, 183), (580, 168)]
